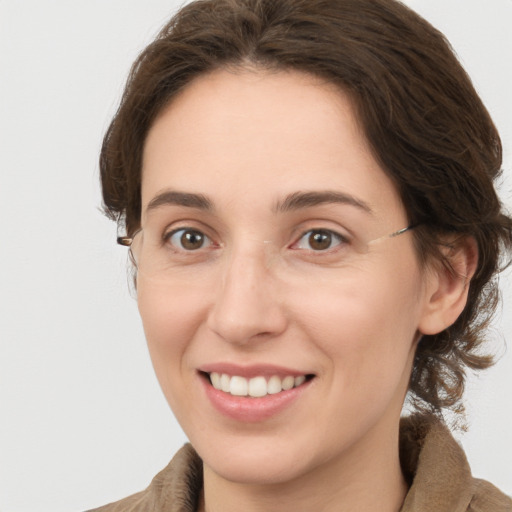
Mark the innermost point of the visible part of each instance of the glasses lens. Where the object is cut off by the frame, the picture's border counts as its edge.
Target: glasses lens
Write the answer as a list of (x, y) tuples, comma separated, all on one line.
[(185, 255)]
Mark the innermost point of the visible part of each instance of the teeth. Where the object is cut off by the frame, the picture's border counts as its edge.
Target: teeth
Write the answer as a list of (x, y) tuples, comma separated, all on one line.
[(274, 385), (300, 380), (238, 386), (255, 387), (215, 378), (224, 382), (288, 383)]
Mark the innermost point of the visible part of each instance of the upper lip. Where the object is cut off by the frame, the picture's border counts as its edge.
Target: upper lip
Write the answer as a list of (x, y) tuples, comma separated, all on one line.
[(253, 370)]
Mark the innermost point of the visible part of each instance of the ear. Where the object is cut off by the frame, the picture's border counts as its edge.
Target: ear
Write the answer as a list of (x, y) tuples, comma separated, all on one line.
[(447, 290)]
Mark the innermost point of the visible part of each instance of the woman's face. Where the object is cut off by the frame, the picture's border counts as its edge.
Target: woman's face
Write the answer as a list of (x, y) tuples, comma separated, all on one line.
[(259, 197)]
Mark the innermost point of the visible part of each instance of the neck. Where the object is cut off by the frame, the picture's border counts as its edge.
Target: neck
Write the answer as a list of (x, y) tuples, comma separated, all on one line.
[(367, 479)]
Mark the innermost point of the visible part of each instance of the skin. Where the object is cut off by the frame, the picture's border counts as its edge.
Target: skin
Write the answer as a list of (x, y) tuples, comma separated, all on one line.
[(257, 294)]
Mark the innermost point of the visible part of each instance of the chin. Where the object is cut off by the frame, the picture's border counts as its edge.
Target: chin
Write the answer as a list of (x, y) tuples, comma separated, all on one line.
[(255, 469), (260, 460)]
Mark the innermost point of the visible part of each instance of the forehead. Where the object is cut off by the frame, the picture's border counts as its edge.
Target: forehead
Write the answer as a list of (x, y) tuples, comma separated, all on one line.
[(264, 134)]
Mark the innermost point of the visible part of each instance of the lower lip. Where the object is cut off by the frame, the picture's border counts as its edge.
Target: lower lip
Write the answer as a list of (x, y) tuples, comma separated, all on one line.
[(248, 409)]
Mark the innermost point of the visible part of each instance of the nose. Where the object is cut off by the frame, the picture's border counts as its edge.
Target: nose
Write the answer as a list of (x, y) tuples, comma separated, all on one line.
[(247, 302)]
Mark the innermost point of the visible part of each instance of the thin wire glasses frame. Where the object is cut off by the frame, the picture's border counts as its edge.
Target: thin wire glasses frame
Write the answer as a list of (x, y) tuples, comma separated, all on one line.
[(127, 241)]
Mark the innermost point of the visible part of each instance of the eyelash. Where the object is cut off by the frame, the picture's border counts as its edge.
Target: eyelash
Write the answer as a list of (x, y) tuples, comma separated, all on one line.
[(168, 238), (335, 239)]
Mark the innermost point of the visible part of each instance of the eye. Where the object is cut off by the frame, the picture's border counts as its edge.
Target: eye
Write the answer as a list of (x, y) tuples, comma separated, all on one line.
[(187, 239), (319, 240)]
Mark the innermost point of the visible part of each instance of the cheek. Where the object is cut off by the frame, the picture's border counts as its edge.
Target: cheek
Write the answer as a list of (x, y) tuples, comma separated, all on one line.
[(170, 318), (366, 323)]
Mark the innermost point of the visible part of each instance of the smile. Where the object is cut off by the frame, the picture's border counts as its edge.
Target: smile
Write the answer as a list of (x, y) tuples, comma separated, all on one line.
[(255, 387)]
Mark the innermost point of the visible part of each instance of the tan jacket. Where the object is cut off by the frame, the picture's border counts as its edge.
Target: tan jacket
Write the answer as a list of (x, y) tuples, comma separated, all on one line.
[(435, 465)]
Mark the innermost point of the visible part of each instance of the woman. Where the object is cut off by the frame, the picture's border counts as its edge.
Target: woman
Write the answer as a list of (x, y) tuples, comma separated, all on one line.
[(307, 193)]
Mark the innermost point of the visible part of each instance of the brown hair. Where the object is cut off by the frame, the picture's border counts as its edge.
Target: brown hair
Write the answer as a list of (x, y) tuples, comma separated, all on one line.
[(421, 115)]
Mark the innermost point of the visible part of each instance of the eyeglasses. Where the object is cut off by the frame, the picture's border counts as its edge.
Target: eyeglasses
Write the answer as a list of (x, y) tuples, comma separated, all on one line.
[(170, 255)]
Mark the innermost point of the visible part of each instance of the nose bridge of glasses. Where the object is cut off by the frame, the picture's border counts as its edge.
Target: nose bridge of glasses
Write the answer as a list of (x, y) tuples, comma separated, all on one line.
[(254, 254)]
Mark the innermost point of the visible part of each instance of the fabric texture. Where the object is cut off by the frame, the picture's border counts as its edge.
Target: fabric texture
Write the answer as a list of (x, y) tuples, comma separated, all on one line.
[(432, 461)]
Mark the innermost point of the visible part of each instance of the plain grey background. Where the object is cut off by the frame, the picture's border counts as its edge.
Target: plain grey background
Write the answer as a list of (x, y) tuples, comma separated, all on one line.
[(82, 420)]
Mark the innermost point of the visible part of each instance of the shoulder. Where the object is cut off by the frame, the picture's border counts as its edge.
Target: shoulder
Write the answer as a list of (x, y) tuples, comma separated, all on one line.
[(487, 498), (175, 489), (439, 474)]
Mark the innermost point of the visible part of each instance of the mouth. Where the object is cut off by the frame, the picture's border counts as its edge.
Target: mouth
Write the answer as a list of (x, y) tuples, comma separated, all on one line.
[(255, 387), (254, 393)]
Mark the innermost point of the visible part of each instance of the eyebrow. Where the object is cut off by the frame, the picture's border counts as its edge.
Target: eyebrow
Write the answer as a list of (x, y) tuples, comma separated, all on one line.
[(302, 200), (187, 199), (292, 202)]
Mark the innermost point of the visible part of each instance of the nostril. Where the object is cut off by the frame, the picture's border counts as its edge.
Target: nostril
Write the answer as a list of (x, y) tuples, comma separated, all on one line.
[(246, 320)]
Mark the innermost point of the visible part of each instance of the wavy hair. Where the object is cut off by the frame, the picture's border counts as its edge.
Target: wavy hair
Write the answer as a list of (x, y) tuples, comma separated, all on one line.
[(423, 119)]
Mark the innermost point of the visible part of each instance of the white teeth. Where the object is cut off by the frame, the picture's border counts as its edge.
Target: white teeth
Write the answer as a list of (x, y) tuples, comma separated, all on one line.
[(274, 385), (288, 382), (255, 387), (300, 380), (224, 383), (215, 378), (238, 386)]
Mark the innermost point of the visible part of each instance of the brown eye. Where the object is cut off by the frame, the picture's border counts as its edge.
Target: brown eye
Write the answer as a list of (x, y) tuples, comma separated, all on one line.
[(189, 239), (320, 240)]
